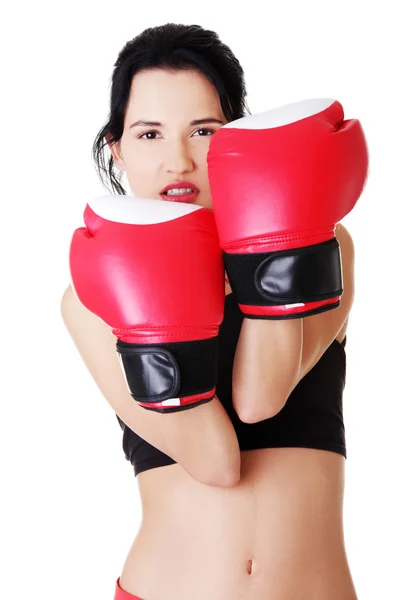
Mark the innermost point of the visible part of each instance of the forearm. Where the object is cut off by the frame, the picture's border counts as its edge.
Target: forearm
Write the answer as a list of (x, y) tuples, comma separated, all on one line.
[(270, 357), (204, 440)]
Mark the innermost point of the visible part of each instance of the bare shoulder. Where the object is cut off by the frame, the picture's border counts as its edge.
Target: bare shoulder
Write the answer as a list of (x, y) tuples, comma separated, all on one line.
[(80, 322), (95, 343), (70, 305), (66, 298)]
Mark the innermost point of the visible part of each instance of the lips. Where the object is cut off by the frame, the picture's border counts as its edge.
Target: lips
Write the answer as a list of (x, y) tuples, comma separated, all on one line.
[(180, 185), (187, 198)]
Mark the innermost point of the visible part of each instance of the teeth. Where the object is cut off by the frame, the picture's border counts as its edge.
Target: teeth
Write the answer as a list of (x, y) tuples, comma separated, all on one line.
[(178, 191)]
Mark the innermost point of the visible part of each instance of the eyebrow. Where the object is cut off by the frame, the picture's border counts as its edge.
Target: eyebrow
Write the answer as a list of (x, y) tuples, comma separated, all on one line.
[(158, 124)]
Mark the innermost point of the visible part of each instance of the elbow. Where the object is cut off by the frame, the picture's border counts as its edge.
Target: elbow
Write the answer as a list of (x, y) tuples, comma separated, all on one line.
[(221, 479), (221, 472), (258, 409), (204, 443)]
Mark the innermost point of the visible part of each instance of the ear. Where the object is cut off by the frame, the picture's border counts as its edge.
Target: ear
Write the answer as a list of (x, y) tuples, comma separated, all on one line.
[(115, 150)]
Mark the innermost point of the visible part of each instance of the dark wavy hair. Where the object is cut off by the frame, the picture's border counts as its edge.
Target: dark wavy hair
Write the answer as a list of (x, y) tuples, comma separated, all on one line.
[(171, 46)]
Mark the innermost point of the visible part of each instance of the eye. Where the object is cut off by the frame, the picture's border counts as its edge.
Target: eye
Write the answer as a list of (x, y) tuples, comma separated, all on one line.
[(146, 133), (205, 129)]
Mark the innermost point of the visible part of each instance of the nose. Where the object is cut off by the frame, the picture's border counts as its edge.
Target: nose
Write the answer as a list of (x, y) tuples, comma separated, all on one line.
[(178, 158)]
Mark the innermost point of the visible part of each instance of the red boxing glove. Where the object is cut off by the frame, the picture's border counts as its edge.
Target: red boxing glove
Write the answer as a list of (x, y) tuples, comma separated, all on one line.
[(153, 271), (280, 181)]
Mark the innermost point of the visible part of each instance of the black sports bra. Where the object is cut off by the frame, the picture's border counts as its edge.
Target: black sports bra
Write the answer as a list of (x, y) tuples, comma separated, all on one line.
[(311, 418)]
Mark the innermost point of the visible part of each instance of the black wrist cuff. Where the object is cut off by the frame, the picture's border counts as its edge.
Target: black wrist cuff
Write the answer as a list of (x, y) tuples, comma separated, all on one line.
[(308, 274), (158, 372)]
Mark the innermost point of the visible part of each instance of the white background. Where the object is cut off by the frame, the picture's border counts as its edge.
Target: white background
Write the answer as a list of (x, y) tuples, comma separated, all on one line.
[(69, 502)]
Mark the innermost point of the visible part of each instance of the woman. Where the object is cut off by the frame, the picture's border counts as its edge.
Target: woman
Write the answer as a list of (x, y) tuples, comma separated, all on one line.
[(265, 523)]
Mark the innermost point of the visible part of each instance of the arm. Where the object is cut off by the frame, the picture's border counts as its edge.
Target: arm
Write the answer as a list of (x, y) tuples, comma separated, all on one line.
[(213, 459), (270, 363)]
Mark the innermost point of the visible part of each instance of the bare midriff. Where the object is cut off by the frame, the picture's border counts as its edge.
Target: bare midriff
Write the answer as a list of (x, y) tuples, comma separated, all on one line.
[(277, 534)]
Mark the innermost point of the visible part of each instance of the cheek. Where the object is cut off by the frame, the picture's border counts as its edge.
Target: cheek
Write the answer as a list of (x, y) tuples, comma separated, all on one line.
[(200, 151), (139, 164), (134, 154), (199, 156)]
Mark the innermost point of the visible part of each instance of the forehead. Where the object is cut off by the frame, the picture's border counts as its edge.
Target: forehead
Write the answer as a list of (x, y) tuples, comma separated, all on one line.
[(159, 92)]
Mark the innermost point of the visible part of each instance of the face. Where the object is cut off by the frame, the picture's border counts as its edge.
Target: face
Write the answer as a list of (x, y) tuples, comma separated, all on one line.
[(174, 150)]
